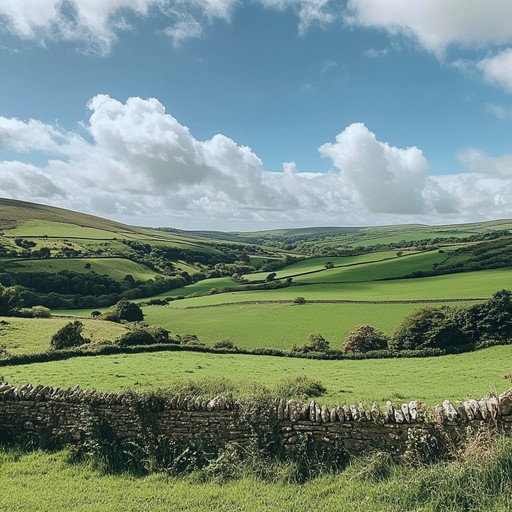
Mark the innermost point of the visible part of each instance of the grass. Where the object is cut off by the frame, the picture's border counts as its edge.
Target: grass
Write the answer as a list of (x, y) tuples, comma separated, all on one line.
[(430, 380), (27, 336), (276, 325), (397, 267), (203, 286), (315, 264), (478, 479), (116, 268), (466, 285)]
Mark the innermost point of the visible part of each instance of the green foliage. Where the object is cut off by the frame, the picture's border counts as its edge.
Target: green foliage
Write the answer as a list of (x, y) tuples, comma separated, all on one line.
[(124, 310), (225, 344), (300, 387), (428, 327), (364, 338), (10, 300), (69, 336), (316, 343), (143, 336), (299, 300)]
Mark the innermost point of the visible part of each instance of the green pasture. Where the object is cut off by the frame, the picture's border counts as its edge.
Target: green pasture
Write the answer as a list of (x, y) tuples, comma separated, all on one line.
[(41, 228), (276, 325), (374, 270), (45, 481), (467, 285), (315, 264), (33, 335), (431, 380), (116, 268), (203, 286)]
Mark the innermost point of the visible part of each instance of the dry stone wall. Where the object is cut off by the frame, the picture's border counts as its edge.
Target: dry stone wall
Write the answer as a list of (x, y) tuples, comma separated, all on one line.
[(64, 415)]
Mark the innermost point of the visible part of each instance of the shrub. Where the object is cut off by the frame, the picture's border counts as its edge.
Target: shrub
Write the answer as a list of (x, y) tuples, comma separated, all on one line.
[(69, 336), (138, 336), (428, 327), (316, 343), (124, 310), (226, 344), (364, 338), (300, 300), (40, 312), (301, 387)]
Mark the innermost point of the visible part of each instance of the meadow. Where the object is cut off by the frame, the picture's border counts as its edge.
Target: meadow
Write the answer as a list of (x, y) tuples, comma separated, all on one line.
[(29, 336), (117, 268), (276, 325), (479, 479), (431, 380)]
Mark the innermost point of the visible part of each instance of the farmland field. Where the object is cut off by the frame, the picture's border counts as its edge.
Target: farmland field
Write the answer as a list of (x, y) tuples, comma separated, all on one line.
[(430, 380), (276, 325), (117, 268), (26, 336)]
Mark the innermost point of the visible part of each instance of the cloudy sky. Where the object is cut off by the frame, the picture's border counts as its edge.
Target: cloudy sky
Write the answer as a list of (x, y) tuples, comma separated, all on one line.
[(256, 114)]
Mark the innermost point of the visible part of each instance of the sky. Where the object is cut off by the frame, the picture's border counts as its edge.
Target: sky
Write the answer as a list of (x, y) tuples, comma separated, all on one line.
[(259, 114)]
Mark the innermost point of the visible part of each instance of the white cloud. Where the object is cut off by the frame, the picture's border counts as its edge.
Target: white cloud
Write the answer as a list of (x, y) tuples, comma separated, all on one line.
[(97, 23), (436, 24), (387, 179), (499, 111), (144, 167), (498, 69), (479, 162)]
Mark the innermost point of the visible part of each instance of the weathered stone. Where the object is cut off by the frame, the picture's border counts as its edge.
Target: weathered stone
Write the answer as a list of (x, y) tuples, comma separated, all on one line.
[(312, 410), (340, 413), (332, 415), (399, 416), (413, 411), (505, 403), (406, 413), (475, 407), (280, 410), (324, 414), (347, 413), (469, 411), (438, 414), (354, 412), (461, 410), (493, 406), (449, 411), (482, 405), (390, 412)]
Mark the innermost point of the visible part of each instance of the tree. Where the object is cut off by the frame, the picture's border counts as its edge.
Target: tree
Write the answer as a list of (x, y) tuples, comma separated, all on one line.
[(69, 336), (10, 300), (124, 310), (428, 327), (316, 343), (364, 338), (329, 264), (271, 277)]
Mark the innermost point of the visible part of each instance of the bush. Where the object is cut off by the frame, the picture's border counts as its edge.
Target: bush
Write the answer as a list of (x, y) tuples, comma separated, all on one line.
[(40, 312), (69, 336), (138, 336), (301, 387), (124, 310), (300, 300), (316, 343), (225, 344), (364, 338), (428, 327)]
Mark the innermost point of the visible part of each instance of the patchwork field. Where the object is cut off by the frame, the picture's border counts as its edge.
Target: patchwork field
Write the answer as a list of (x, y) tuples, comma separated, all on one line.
[(430, 380), (27, 336)]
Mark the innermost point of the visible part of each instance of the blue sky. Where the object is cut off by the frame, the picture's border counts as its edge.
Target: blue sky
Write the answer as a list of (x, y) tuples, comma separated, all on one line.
[(225, 114)]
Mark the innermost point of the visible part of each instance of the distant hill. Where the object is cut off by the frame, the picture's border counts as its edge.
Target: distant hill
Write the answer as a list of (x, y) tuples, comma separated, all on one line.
[(13, 212)]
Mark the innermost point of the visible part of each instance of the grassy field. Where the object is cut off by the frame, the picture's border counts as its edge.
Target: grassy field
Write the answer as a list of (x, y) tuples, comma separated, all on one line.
[(116, 268), (48, 482), (315, 264), (396, 267), (466, 285), (201, 287), (276, 325), (430, 380), (27, 336)]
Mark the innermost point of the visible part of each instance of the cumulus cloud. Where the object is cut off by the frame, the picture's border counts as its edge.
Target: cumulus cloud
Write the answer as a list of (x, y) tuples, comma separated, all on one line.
[(141, 165), (498, 69), (480, 162), (386, 178), (436, 24), (98, 23)]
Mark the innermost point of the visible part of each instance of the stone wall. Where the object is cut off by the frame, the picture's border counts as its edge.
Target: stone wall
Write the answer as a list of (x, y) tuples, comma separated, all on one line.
[(41, 412)]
